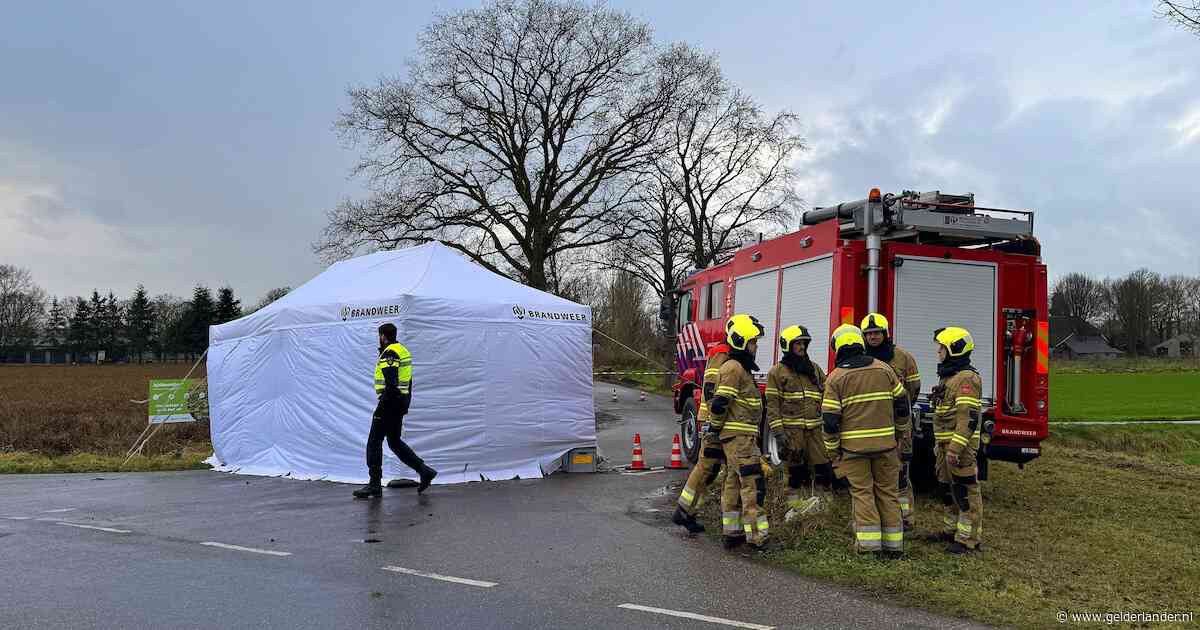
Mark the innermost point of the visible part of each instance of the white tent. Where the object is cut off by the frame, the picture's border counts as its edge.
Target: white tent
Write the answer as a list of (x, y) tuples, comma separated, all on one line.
[(502, 382)]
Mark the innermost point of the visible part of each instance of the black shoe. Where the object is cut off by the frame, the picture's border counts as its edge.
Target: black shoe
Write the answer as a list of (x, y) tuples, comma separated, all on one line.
[(402, 483), (893, 554), (427, 476), (687, 521), (368, 491), (939, 537), (733, 542), (956, 548), (766, 547)]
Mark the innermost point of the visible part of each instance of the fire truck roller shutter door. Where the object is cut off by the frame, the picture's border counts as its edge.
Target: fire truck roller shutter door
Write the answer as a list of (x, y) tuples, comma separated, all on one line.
[(932, 294), (807, 300), (756, 295)]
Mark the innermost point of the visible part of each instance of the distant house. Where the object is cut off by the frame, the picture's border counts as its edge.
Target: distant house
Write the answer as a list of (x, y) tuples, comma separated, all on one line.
[(1085, 347), (1074, 338), (1181, 345)]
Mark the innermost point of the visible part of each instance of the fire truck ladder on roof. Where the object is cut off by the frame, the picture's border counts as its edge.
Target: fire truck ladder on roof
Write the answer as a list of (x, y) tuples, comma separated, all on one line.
[(927, 217)]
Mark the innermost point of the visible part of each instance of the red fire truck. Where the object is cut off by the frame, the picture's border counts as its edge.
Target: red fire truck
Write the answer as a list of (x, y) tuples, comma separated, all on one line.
[(924, 260)]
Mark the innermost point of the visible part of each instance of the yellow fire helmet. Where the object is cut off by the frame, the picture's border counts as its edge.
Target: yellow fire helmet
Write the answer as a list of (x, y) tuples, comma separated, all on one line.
[(740, 329), (874, 322), (739, 317), (956, 340), (846, 335), (792, 333)]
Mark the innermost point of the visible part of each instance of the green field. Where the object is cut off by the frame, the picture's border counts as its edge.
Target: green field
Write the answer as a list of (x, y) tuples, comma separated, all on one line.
[(1124, 395)]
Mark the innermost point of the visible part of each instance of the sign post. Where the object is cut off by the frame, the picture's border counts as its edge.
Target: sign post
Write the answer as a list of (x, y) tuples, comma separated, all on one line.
[(169, 402)]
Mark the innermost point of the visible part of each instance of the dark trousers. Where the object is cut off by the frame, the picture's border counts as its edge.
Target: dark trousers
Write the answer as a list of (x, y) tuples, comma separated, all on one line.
[(385, 425)]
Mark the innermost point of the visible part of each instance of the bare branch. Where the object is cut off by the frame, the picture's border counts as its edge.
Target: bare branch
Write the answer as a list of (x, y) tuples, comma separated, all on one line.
[(512, 136)]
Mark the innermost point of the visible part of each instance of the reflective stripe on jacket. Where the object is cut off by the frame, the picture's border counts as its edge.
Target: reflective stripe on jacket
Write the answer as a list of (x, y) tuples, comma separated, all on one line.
[(793, 400), (745, 402), (394, 356), (957, 416), (859, 405)]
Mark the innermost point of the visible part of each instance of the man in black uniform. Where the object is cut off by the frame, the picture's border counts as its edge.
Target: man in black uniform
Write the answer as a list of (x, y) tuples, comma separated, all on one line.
[(393, 385)]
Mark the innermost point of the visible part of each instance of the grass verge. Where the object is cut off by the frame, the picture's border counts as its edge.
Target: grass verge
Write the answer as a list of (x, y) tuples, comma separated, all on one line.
[(1177, 443), (25, 463), (1084, 528), (1125, 396)]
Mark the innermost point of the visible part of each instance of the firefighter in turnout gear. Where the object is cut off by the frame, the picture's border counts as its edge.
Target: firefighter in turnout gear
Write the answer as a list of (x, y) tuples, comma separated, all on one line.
[(957, 422), (737, 407), (863, 410), (393, 386), (712, 456), (794, 388), (880, 345)]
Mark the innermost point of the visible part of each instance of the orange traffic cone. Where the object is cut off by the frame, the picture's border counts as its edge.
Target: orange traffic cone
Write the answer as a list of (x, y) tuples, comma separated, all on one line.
[(642, 396), (676, 454), (637, 462)]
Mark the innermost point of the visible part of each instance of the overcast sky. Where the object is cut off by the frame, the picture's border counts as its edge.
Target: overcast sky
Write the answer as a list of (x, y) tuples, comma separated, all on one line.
[(180, 143)]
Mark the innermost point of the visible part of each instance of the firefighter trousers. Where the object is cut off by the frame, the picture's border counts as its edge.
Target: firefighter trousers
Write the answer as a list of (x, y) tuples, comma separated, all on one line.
[(388, 425), (744, 480), (704, 473), (803, 453), (875, 500), (961, 495)]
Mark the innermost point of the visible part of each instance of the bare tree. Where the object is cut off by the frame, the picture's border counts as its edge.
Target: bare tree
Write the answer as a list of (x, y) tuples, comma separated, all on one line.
[(1173, 305), (1191, 319), (22, 308), (510, 140), (623, 316), (730, 161), (1134, 301), (271, 296), (657, 247), (1185, 13), (1078, 295), (168, 330)]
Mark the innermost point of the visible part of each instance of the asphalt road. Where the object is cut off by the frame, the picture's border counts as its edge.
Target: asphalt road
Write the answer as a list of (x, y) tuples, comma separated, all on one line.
[(209, 550)]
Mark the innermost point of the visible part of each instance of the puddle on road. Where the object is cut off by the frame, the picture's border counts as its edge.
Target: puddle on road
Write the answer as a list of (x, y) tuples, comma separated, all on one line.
[(605, 419), (656, 507)]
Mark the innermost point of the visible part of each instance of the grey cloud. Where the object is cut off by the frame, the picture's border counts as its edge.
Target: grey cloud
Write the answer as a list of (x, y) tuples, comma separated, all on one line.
[(1111, 189)]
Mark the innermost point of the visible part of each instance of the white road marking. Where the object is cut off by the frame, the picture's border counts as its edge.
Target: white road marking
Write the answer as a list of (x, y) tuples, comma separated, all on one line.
[(101, 529), (268, 552), (444, 578), (18, 518), (59, 510), (688, 615)]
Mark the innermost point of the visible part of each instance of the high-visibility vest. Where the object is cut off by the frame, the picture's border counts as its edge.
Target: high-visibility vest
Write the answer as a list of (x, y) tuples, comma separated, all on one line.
[(397, 356)]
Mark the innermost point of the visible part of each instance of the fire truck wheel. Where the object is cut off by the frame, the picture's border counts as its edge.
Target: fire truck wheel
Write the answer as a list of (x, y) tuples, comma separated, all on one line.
[(689, 431)]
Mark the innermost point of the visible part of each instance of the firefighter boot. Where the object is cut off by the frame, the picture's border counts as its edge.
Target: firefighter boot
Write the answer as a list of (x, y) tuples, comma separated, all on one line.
[(427, 475), (687, 521), (373, 489), (958, 549)]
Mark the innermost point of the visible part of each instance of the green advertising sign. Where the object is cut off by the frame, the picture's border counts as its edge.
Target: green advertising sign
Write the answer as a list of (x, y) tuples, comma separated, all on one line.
[(169, 401)]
